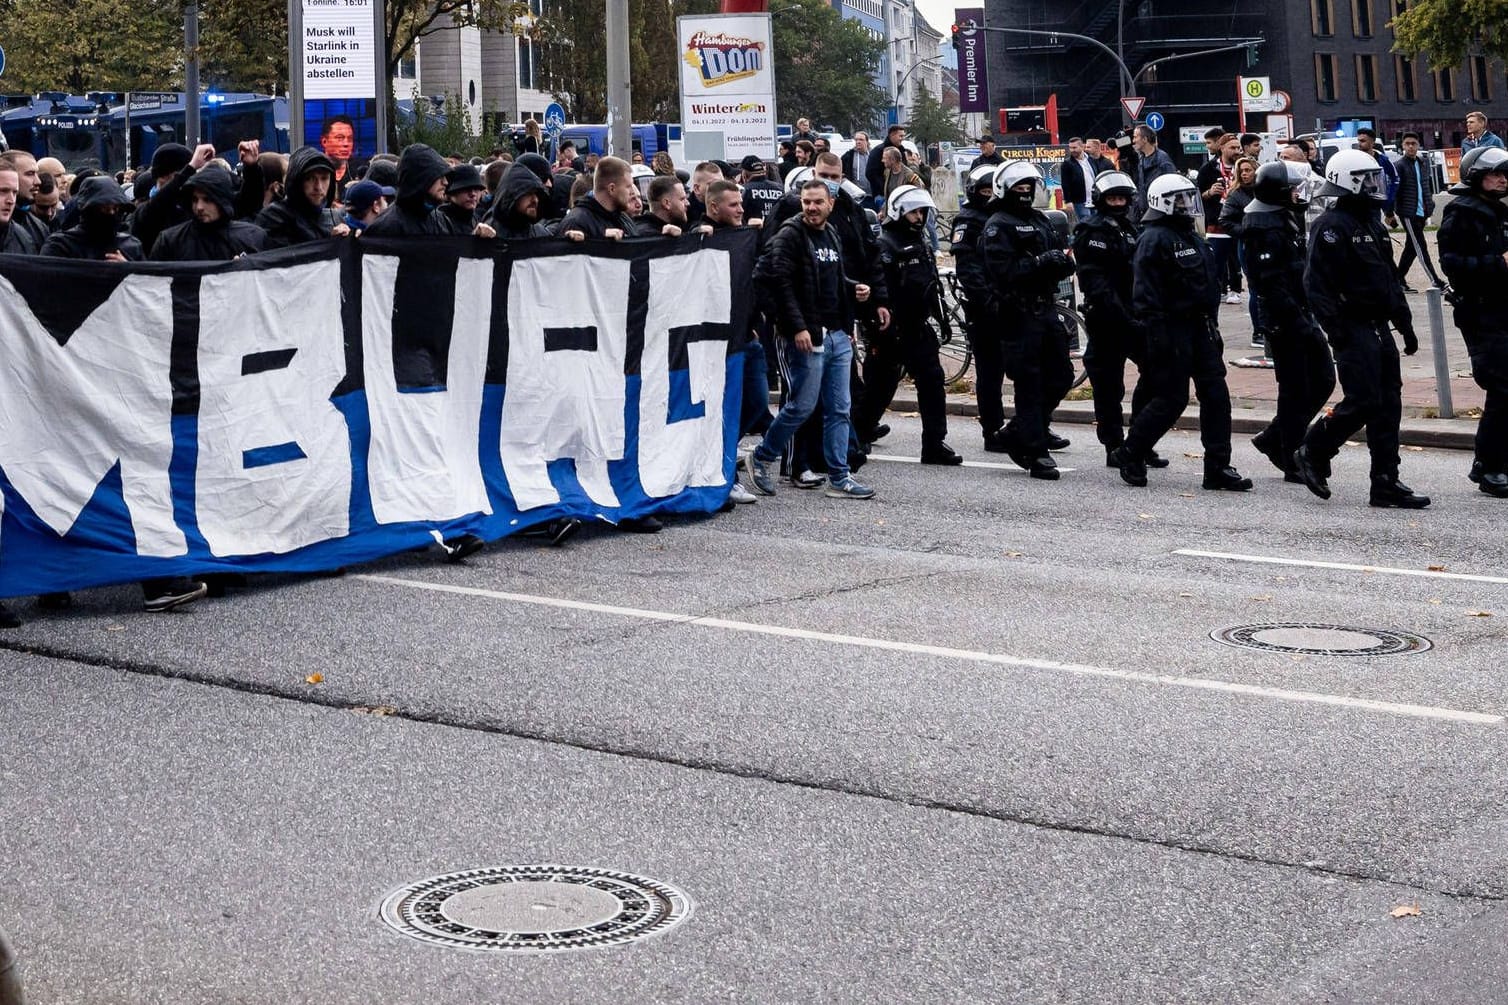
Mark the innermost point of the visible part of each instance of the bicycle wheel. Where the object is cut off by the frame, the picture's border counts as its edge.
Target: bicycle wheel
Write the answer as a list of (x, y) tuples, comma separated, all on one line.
[(1078, 341), (953, 351)]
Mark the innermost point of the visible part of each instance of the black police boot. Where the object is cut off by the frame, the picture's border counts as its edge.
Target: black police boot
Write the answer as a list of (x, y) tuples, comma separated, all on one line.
[(1494, 483), (461, 547), (1133, 469), (1225, 479), (1110, 455), (880, 432), (1267, 443), (1155, 460), (8, 618), (1389, 493), (995, 442), (1313, 471), (1056, 442), (641, 524), (1043, 467), (940, 453)]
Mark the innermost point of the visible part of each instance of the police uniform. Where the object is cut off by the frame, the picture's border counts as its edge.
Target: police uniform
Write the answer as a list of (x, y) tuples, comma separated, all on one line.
[(989, 358), (1103, 246), (1473, 239), (1274, 249), (1025, 260)]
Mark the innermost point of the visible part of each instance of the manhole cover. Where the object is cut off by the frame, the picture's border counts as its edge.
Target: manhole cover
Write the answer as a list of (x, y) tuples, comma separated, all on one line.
[(534, 908), (1321, 640)]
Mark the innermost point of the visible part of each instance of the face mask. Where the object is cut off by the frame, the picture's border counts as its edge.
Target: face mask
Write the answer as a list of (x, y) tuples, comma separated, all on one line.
[(832, 187)]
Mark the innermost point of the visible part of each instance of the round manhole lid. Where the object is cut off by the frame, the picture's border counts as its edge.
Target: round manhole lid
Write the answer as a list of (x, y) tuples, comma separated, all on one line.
[(534, 908), (1321, 640)]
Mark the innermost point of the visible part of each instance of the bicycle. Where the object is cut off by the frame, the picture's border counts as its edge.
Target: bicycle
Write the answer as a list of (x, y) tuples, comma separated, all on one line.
[(956, 353)]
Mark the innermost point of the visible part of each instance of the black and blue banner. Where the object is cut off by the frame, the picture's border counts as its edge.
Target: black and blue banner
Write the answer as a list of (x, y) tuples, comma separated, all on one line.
[(326, 405)]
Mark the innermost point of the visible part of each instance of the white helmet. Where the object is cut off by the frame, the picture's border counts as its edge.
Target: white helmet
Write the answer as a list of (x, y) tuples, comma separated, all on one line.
[(906, 198), (982, 177), (1112, 183), (799, 177), (1354, 172), (642, 175), (1013, 173), (1172, 195)]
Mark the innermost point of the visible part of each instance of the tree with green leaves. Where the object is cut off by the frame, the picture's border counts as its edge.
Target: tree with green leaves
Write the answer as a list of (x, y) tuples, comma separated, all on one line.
[(930, 122), (1447, 31), (823, 67)]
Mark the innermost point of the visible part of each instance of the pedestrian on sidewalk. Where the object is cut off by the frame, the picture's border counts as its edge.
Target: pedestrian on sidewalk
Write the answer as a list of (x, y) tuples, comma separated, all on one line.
[(1413, 205), (1353, 289), (1474, 252), (1274, 249), (1176, 299)]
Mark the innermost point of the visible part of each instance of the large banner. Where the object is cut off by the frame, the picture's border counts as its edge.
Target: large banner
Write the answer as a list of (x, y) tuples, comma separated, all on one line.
[(727, 86), (323, 406), (973, 73)]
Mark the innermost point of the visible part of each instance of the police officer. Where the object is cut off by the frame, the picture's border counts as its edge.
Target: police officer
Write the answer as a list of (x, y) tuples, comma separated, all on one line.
[(1354, 292), (908, 344), (1175, 297), (1025, 260), (984, 341), (1274, 249), (1103, 245), (1474, 253)]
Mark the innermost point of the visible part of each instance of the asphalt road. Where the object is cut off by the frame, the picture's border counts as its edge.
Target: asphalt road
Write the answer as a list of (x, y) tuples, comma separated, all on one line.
[(968, 741)]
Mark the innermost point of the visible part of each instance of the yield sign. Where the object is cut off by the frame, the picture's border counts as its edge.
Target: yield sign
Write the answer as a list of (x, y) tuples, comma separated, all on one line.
[(1133, 106)]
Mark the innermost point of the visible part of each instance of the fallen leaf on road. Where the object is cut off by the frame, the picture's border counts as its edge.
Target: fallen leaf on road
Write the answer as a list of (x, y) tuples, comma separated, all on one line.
[(315, 678), (1194, 457), (1437, 568), (375, 709), (1436, 601), (1187, 495), (1415, 449), (879, 523), (1479, 614), (1013, 554), (1405, 911), (1145, 516), (1265, 596), (1185, 594), (115, 628)]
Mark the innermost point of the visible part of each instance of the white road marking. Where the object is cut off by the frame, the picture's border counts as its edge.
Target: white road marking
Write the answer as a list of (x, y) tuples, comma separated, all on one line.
[(991, 465), (1342, 566), (970, 655)]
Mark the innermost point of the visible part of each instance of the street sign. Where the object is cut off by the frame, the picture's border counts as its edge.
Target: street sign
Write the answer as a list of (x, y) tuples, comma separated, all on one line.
[(2, 62), (554, 118), (1133, 106), (1155, 121)]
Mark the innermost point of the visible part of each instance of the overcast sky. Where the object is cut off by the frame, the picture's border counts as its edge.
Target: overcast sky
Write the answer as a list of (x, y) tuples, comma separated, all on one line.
[(939, 14)]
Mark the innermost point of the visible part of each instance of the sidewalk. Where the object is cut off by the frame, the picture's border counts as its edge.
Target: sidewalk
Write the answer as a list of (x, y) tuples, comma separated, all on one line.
[(1254, 390)]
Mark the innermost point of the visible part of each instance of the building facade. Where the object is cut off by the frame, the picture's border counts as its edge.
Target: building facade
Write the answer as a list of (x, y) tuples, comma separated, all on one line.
[(496, 73), (1332, 58)]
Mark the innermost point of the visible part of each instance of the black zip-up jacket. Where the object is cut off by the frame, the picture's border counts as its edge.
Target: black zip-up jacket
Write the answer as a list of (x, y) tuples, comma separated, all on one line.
[(1406, 199), (594, 219), (785, 279), (1175, 285), (220, 241), (968, 263), (910, 274), (1274, 250), (1013, 247), (1103, 247), (1473, 237), (1350, 276), (861, 247), (293, 219), (15, 239)]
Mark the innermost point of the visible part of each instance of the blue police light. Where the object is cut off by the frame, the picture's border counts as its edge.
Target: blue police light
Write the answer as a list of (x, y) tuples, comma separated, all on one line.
[(213, 98)]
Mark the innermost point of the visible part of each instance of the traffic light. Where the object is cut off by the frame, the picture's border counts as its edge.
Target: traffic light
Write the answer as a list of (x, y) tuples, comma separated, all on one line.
[(957, 46)]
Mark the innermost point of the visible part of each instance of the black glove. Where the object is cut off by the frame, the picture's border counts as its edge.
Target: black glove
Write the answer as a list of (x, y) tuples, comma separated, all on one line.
[(1410, 340), (1056, 264)]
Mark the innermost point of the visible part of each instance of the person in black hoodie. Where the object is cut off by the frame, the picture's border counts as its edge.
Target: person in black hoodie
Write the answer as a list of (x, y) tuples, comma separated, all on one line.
[(421, 192), (604, 211), (303, 214), (96, 237), (516, 208), (214, 234), (463, 197)]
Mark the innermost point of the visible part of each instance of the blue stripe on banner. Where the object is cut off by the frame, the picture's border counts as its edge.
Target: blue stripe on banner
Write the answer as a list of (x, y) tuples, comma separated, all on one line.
[(261, 457)]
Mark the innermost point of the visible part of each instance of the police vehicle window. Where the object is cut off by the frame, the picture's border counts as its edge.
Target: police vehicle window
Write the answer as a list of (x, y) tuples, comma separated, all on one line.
[(76, 148), (225, 131)]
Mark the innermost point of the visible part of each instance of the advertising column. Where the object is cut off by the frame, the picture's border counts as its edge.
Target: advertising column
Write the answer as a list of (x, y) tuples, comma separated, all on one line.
[(727, 86), (339, 66)]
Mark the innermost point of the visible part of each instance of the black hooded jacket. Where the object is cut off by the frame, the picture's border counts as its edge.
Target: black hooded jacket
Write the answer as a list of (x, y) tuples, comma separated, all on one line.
[(96, 234), (510, 225), (293, 219), (220, 241), (1473, 240), (594, 219), (15, 239), (412, 214)]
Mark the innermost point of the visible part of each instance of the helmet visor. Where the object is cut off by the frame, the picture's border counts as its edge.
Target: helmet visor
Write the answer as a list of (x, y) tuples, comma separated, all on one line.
[(1185, 203), (1370, 185)]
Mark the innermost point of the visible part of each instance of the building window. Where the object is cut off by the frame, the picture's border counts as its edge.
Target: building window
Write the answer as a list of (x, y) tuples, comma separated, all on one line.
[(1445, 85), (408, 67), (1408, 78), (1322, 15), (1481, 86), (526, 65), (1399, 6), (1361, 18), (1366, 77), (1324, 76)]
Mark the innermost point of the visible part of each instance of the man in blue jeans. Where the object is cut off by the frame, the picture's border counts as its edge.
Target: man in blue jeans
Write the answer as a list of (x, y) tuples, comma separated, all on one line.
[(802, 285)]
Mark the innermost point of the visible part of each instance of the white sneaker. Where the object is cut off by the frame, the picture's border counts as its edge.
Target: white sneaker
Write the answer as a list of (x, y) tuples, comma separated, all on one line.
[(1233, 297), (809, 480), (741, 494)]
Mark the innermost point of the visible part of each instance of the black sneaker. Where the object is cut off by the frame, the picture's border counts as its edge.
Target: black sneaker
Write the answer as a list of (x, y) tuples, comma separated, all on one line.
[(8, 617), (1270, 450), (941, 454), (166, 594), (880, 432), (1056, 442), (462, 547), (1133, 470), (1313, 471), (1226, 479), (1155, 460), (1389, 493), (559, 531), (641, 525)]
